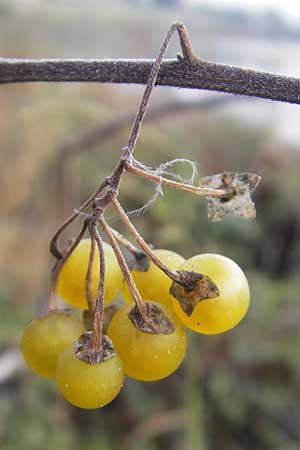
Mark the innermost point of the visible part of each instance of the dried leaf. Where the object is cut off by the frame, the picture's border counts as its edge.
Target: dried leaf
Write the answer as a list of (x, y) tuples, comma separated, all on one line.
[(198, 287), (238, 202)]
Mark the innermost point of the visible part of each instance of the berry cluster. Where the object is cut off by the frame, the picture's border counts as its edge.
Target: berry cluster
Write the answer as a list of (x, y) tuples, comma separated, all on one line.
[(50, 342), (163, 293)]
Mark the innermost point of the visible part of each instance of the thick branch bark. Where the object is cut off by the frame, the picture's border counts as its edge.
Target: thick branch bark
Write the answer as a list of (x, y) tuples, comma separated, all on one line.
[(177, 73)]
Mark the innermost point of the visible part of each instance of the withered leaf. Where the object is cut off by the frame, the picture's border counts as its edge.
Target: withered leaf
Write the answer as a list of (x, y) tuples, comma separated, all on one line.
[(197, 287), (238, 202)]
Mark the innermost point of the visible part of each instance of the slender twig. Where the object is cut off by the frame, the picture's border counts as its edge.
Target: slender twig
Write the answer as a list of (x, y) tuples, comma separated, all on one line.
[(173, 72), (125, 270), (202, 191), (187, 53), (54, 247), (115, 178), (89, 274), (98, 316), (149, 252)]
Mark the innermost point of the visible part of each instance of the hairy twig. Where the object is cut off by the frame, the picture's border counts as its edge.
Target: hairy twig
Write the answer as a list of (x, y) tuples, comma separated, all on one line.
[(173, 72)]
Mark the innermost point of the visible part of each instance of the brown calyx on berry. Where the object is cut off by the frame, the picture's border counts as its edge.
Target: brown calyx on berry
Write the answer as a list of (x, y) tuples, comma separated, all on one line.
[(195, 287), (157, 322), (85, 350)]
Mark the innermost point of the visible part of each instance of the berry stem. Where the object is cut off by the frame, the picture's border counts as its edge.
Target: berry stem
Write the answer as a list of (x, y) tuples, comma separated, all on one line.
[(114, 179), (125, 270), (98, 315), (170, 273), (188, 55), (54, 243), (88, 277), (203, 191)]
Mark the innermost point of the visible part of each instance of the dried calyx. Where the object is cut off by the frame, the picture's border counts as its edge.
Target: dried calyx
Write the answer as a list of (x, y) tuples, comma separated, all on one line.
[(85, 350), (158, 322), (195, 287)]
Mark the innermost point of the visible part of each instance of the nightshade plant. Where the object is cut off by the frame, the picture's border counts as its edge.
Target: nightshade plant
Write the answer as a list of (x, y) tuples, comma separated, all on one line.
[(145, 338)]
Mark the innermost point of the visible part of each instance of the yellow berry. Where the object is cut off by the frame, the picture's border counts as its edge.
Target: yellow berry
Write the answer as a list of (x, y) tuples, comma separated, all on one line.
[(86, 385), (224, 312), (46, 337), (147, 356), (71, 282)]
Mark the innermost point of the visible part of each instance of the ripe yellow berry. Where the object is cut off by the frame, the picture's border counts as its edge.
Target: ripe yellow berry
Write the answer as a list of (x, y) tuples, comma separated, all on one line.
[(46, 337), (218, 314), (71, 281), (86, 385), (147, 356), (155, 284)]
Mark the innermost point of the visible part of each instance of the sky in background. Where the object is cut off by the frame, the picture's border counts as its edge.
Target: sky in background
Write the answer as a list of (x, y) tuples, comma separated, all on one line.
[(290, 9)]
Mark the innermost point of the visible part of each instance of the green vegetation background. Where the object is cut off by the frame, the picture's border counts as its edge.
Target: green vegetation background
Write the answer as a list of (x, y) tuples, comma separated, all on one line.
[(237, 391)]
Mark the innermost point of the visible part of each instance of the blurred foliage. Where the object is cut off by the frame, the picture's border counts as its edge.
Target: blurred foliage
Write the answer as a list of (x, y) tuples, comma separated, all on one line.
[(237, 391)]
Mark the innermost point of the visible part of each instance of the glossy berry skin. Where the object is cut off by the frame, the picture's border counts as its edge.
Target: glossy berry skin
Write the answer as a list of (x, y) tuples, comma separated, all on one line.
[(88, 386), (46, 337), (224, 312), (154, 284), (147, 356), (71, 282)]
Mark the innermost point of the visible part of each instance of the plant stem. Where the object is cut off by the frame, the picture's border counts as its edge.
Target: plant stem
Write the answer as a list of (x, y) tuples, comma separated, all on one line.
[(188, 54), (98, 315), (54, 247), (115, 178), (125, 270), (202, 191), (88, 278)]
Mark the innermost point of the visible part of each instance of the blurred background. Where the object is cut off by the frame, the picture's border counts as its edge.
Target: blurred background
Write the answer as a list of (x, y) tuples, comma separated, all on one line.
[(236, 391)]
